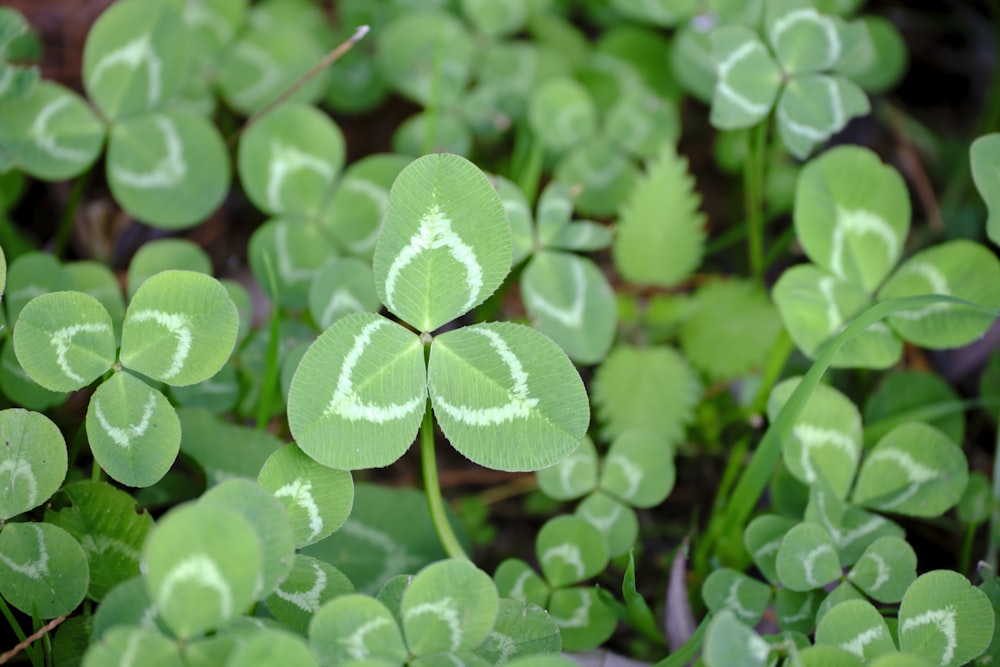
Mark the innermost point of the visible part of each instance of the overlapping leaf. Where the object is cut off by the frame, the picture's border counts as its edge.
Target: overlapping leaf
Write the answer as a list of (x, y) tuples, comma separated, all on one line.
[(310, 584), (43, 570), (33, 462)]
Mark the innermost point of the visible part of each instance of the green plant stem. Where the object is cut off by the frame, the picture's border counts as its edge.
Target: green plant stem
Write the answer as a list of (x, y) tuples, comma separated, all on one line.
[(753, 186), (270, 379), (730, 474), (432, 489), (991, 546), (774, 364), (69, 214), (689, 650), (965, 554)]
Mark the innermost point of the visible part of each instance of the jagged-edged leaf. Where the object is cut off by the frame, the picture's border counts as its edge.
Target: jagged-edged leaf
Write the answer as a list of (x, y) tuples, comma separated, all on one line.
[(571, 301), (445, 245), (266, 514), (570, 550), (105, 522), (886, 569), (731, 643), (359, 393), (747, 78), (136, 58), (963, 269), (807, 558), (32, 274), (584, 621), (506, 396), (815, 306), (180, 328), (736, 592), (561, 114), (33, 461), (289, 160), (202, 563), (944, 618), (639, 468), (317, 499), (906, 396), (603, 173), (98, 281), (360, 201), (133, 430), (521, 630), (64, 340), (803, 39), (826, 439), (984, 155), (762, 538), (17, 79), (224, 450), (796, 610), (615, 520), (18, 386), (573, 476), (163, 255), (710, 341), (642, 122), (285, 257), (814, 107), (661, 232), (264, 62), (448, 606), (426, 55), (309, 585), (649, 388), (50, 133), (516, 580), (857, 627), (852, 528), (168, 168), (356, 627), (915, 469), (342, 286), (43, 570), (121, 644)]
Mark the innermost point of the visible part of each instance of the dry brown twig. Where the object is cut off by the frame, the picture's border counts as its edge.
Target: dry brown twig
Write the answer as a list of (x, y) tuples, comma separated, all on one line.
[(47, 628)]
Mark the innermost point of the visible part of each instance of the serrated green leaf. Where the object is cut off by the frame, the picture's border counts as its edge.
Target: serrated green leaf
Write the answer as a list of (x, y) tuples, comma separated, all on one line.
[(561, 114), (180, 328), (807, 558), (366, 415), (963, 269), (727, 589), (615, 520), (803, 39), (43, 570), (119, 644), (945, 618), (660, 235), (570, 550), (747, 78), (730, 643), (33, 461), (762, 538), (356, 627), (445, 245), (814, 107), (573, 476), (288, 161), (885, 570), (915, 470), (163, 255), (584, 621), (317, 499), (309, 585), (530, 408), (426, 55), (857, 627)]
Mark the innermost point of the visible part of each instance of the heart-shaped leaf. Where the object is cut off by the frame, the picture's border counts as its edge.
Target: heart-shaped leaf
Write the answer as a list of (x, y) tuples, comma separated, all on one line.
[(570, 550), (309, 585), (852, 528), (285, 257), (516, 580), (796, 610), (985, 157), (342, 286), (33, 461), (857, 627), (615, 520), (727, 589), (803, 39), (356, 627), (43, 570), (886, 569), (807, 558), (747, 78), (814, 107), (163, 255), (574, 476), (639, 468), (731, 643), (584, 621), (602, 172), (762, 538)]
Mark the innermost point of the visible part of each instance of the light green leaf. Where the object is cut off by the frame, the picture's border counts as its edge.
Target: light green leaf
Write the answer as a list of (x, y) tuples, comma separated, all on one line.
[(224, 450), (825, 655), (906, 395), (807, 558), (359, 393), (692, 61), (29, 275), (842, 593), (133, 430), (570, 550), (852, 528), (342, 286), (289, 160), (286, 256), (212, 23), (50, 133), (180, 328), (521, 630), (32, 463), (105, 522), (796, 610), (136, 58), (900, 660), (881, 60), (168, 169), (19, 388), (516, 580), (648, 388), (16, 79), (639, 468), (561, 114), (914, 470), (886, 569), (3, 271), (128, 604), (428, 132), (202, 563), (602, 172), (642, 122), (506, 397), (584, 621), (857, 627), (975, 506), (730, 643), (449, 606), (356, 627), (762, 538), (803, 39), (515, 205), (356, 84), (615, 520), (826, 439), (727, 589), (814, 107), (574, 476), (217, 394), (445, 246), (64, 340), (309, 585), (944, 618), (747, 78), (43, 570), (985, 158), (963, 269), (583, 236), (554, 211), (666, 13), (570, 300), (98, 281), (661, 232), (272, 648), (317, 499), (121, 644), (163, 255)]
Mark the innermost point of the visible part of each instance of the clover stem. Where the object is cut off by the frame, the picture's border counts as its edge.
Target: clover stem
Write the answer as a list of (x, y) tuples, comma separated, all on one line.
[(753, 186), (69, 214), (432, 489)]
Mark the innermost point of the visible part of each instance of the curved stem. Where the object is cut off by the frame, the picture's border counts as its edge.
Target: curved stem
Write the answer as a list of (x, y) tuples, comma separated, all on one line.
[(432, 489)]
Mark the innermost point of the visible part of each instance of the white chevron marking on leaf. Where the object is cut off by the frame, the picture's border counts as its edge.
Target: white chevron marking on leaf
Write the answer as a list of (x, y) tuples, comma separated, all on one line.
[(300, 492), (581, 615), (435, 232), (346, 402), (844, 538), (307, 601), (42, 136), (568, 553), (859, 222), (631, 472), (355, 642), (285, 161), (809, 562), (132, 55), (726, 65), (602, 523), (20, 469), (122, 436), (517, 590), (572, 316), (100, 544), (944, 621), (269, 74), (446, 611), (916, 473), (341, 300), (179, 327), (379, 196), (863, 639), (938, 285), (519, 405), (803, 613), (566, 468), (813, 437), (810, 15), (61, 339), (286, 266), (168, 172), (733, 602), (34, 569), (201, 570), (882, 571), (834, 320)]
